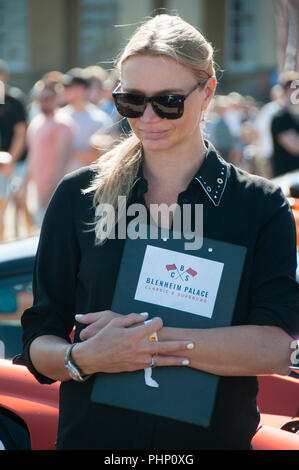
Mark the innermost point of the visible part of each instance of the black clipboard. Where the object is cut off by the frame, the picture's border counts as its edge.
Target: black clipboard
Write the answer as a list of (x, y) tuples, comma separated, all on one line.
[(184, 394)]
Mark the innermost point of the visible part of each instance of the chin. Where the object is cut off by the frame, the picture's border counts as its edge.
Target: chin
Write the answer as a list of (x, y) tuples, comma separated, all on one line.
[(157, 144), (154, 146)]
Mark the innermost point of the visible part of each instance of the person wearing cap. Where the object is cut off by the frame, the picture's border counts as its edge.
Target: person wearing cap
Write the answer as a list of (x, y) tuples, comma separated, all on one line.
[(87, 118), (49, 140), (285, 127), (96, 77)]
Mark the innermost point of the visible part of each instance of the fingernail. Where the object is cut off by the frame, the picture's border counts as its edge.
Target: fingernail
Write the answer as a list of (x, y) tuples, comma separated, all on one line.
[(185, 362), (190, 346), (79, 315), (145, 314)]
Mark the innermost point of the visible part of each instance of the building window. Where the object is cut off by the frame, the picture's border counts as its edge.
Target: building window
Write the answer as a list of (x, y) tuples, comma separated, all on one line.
[(97, 38), (14, 34), (241, 35)]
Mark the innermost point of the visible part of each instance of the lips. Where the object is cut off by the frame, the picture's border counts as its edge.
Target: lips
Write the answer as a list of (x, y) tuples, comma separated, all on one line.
[(155, 135)]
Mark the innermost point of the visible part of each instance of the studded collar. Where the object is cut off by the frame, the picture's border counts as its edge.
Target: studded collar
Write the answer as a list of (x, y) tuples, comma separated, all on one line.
[(212, 175)]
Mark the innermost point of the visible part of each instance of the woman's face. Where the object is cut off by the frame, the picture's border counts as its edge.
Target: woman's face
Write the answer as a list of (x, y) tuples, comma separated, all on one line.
[(151, 76)]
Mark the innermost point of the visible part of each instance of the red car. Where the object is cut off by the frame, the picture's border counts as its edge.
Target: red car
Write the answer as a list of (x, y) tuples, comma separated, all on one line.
[(29, 411)]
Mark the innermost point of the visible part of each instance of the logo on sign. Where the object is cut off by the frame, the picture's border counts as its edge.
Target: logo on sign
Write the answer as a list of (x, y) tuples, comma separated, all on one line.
[(181, 272)]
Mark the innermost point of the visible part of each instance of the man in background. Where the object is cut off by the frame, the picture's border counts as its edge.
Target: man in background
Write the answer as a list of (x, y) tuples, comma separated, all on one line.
[(12, 141), (285, 127), (87, 118), (49, 140)]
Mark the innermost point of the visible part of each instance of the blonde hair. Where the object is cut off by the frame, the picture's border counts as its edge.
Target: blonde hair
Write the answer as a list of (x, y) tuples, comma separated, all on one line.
[(163, 35)]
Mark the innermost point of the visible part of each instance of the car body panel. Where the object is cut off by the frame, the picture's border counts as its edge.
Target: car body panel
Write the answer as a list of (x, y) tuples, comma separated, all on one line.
[(278, 402), (284, 386), (35, 404), (270, 438), (16, 256)]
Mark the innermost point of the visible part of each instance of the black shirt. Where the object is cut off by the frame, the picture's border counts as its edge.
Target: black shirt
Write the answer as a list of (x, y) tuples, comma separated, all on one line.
[(73, 276), (282, 161), (11, 113)]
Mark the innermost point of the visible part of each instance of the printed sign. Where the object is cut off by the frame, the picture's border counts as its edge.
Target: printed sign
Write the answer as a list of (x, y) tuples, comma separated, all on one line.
[(179, 281)]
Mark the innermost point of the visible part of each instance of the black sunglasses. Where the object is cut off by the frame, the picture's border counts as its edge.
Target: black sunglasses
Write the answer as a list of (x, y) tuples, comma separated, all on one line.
[(168, 106)]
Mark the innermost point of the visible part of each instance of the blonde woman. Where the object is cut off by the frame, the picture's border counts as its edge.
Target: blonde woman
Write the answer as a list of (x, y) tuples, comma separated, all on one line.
[(167, 81)]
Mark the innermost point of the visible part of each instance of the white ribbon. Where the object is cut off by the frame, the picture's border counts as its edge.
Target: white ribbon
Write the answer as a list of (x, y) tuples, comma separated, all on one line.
[(148, 378)]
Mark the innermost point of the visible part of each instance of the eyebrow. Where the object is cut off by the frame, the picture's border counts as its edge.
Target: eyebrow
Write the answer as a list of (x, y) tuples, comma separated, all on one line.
[(160, 92)]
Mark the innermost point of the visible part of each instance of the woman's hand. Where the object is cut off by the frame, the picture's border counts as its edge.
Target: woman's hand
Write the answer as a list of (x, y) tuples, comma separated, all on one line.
[(116, 347), (98, 320)]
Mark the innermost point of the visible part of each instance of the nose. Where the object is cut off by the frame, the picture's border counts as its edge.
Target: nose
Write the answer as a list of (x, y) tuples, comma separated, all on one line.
[(149, 114)]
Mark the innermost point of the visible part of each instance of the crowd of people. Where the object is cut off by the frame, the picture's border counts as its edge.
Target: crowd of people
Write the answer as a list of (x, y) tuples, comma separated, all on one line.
[(65, 122), (68, 120), (255, 136)]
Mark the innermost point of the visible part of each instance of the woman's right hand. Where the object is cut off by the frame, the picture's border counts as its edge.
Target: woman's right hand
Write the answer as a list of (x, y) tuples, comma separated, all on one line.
[(117, 348), (96, 321)]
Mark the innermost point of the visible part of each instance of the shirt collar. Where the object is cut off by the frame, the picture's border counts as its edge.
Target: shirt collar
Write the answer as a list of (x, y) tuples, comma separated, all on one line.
[(212, 175)]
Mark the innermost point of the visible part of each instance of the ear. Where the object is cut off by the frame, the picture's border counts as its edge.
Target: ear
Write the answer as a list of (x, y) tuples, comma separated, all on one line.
[(209, 92)]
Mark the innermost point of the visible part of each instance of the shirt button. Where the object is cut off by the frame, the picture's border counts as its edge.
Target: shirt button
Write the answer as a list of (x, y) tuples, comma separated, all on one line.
[(219, 180)]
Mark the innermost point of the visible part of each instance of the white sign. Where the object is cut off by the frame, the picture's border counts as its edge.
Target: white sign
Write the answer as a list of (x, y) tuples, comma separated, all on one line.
[(179, 281)]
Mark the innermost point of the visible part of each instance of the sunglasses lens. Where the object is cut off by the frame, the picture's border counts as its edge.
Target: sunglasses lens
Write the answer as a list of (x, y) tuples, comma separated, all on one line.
[(169, 106), (129, 105), (133, 105)]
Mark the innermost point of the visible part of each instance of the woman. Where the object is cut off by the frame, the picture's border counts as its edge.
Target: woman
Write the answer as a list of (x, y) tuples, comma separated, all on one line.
[(166, 160)]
